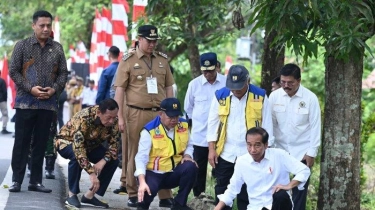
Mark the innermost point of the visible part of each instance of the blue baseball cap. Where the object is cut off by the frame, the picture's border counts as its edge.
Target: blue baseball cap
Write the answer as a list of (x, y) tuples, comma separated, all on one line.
[(237, 77), (171, 106), (208, 61)]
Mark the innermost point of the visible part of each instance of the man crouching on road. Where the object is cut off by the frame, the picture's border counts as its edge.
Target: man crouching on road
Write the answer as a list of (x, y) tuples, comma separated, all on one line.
[(164, 158), (80, 141)]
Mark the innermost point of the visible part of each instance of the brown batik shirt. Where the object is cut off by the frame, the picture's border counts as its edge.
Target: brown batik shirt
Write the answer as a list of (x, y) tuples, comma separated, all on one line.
[(85, 132), (32, 65)]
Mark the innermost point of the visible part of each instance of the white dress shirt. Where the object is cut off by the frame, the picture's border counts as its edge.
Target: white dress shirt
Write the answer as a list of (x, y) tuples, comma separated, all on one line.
[(260, 177), (235, 143), (143, 155), (198, 100), (296, 122), (89, 96)]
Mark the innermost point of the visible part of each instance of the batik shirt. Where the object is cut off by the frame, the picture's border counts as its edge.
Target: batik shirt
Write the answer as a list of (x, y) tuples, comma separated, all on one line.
[(33, 65), (85, 132)]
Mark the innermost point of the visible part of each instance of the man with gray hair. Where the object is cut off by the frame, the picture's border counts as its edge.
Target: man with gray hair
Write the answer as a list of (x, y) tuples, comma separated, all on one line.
[(236, 108)]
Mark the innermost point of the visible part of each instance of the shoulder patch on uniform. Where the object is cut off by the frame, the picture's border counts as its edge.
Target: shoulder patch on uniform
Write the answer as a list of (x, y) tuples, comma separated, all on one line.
[(162, 54), (126, 56)]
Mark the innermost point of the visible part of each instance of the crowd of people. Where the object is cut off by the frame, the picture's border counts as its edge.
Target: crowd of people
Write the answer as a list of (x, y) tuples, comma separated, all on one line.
[(134, 121)]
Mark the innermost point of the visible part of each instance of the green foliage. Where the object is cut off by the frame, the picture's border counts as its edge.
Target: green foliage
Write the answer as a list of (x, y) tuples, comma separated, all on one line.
[(303, 27), (368, 138), (76, 20), (367, 201)]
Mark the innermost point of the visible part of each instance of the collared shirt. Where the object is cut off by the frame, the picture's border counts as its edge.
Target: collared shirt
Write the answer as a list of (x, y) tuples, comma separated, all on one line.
[(235, 143), (86, 132), (89, 96), (198, 100), (132, 76), (144, 148), (112, 90), (105, 82), (297, 122), (33, 65), (260, 177)]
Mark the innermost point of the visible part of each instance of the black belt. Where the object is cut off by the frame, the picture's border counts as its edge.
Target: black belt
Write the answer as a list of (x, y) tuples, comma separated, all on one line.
[(155, 109)]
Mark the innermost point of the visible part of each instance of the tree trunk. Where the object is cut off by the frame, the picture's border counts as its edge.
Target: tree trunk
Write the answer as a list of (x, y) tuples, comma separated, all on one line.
[(272, 61), (193, 55), (339, 187)]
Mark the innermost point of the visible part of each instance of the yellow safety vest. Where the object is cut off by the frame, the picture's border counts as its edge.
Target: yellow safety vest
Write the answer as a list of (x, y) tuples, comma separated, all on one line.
[(166, 153), (253, 111)]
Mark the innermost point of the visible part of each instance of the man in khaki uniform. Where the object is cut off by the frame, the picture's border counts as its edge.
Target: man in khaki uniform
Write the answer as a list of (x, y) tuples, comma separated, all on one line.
[(144, 78)]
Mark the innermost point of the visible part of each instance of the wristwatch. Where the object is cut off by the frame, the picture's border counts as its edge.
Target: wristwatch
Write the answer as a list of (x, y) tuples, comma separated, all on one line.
[(107, 159)]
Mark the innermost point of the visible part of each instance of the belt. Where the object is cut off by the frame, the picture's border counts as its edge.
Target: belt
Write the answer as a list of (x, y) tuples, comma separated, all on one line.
[(154, 109)]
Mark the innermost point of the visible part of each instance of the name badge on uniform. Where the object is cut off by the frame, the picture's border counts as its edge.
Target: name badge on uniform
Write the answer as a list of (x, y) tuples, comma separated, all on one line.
[(152, 85)]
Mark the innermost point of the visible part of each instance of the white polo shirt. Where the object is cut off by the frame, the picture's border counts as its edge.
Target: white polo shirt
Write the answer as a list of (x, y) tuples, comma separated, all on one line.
[(197, 104), (260, 177), (296, 122)]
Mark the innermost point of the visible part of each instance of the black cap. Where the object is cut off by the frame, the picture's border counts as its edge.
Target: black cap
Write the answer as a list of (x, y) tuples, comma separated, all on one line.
[(208, 61), (171, 106), (237, 77), (149, 32)]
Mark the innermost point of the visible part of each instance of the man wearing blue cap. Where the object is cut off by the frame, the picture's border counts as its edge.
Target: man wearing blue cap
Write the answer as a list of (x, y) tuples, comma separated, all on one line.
[(143, 80), (199, 95), (235, 109), (164, 158)]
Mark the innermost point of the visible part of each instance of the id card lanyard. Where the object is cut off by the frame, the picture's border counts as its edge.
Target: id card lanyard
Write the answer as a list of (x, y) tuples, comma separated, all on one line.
[(152, 84)]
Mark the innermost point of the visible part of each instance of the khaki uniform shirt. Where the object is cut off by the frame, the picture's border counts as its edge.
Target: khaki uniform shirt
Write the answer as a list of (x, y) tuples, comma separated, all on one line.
[(132, 75)]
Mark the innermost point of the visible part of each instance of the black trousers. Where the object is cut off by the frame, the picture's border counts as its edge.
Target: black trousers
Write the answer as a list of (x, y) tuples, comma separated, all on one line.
[(201, 157), (60, 115), (223, 172), (300, 196), (281, 201), (36, 123)]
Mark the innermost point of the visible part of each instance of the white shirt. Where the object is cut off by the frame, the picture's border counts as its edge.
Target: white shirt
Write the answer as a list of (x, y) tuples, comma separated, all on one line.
[(144, 147), (235, 143), (89, 96), (296, 122), (260, 177), (198, 100)]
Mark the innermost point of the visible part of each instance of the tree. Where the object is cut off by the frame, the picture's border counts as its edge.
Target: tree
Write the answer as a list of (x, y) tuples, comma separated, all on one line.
[(186, 25), (342, 27)]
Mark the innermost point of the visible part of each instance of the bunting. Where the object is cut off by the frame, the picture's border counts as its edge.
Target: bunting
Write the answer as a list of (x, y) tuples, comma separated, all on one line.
[(120, 8)]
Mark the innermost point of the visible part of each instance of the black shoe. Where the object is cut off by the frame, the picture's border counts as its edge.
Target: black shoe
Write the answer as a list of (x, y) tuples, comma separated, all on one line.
[(93, 202), (73, 201), (132, 201), (39, 188), (4, 131), (50, 174), (167, 203), (120, 190), (177, 206), (16, 187)]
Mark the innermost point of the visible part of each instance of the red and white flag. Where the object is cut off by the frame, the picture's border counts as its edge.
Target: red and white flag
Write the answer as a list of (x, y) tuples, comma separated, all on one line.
[(56, 30), (96, 29), (8, 80), (139, 7), (120, 24), (228, 64)]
